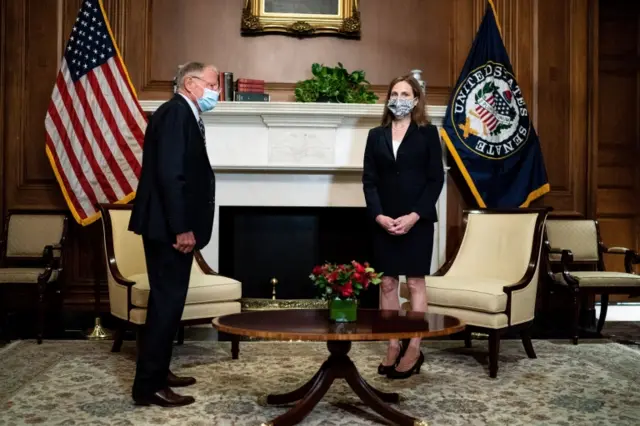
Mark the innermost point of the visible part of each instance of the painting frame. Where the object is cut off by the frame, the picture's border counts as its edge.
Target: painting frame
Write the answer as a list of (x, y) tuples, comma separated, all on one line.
[(346, 23)]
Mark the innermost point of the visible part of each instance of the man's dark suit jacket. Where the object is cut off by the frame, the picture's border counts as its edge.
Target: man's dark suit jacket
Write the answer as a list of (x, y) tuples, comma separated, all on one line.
[(176, 193)]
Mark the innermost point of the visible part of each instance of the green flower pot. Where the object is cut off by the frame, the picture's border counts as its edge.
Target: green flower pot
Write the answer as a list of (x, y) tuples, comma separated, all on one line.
[(343, 310)]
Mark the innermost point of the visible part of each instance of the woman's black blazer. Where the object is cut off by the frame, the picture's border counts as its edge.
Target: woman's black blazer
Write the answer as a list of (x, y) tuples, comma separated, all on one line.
[(412, 182)]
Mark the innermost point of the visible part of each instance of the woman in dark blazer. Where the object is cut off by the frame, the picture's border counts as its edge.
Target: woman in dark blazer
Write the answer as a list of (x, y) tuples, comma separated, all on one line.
[(402, 179)]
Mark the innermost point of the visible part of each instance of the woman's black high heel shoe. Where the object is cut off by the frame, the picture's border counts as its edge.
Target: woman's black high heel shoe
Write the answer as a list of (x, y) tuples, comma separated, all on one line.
[(395, 374), (383, 370)]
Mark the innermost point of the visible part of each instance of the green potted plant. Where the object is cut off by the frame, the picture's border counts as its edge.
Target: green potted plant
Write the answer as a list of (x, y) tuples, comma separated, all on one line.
[(335, 84), (341, 286)]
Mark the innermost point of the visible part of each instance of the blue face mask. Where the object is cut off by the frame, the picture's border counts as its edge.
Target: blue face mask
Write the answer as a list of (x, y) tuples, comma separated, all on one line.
[(208, 100)]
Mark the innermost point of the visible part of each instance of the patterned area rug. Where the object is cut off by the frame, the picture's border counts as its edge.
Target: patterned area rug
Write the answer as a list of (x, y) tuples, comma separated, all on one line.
[(82, 383)]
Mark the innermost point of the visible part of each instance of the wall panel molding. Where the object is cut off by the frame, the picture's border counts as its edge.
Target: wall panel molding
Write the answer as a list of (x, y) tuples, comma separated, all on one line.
[(29, 48), (3, 61), (116, 12), (561, 101), (139, 48), (615, 129)]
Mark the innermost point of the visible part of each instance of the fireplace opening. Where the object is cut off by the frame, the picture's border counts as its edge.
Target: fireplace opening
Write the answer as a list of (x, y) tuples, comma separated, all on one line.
[(257, 244)]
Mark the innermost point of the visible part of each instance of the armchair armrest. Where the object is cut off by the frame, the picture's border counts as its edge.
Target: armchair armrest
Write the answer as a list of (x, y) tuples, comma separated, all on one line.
[(112, 263), (202, 264), (614, 250), (551, 250), (115, 273), (51, 262), (2, 250), (47, 253), (630, 257), (566, 259)]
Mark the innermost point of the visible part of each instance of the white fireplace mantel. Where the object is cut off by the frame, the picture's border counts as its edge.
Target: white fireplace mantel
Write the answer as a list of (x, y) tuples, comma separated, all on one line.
[(294, 154)]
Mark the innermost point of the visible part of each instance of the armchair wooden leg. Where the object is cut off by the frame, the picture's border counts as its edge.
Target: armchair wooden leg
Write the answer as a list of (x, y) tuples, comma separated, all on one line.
[(467, 339), (41, 311), (235, 347), (181, 335), (576, 314), (494, 350), (118, 337), (5, 327), (604, 305), (526, 342)]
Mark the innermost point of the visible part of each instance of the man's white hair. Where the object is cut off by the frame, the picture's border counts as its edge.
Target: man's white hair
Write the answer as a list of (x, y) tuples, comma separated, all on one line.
[(191, 69)]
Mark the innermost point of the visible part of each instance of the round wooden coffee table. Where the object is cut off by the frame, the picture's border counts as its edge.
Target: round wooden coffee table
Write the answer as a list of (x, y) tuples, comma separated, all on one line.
[(314, 325)]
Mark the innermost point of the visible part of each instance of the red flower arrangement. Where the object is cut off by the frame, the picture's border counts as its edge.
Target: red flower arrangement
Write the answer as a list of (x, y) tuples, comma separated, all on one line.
[(343, 281)]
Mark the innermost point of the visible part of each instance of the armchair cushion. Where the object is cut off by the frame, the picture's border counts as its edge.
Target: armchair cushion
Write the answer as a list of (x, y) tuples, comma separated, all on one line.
[(482, 294), (24, 275), (475, 318), (601, 279), (193, 311), (202, 289)]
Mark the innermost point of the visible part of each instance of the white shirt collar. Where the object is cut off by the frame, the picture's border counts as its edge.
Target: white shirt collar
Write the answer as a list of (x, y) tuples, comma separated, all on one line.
[(196, 113)]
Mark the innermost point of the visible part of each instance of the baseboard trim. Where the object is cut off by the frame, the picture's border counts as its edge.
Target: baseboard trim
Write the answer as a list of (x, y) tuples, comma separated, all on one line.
[(621, 312)]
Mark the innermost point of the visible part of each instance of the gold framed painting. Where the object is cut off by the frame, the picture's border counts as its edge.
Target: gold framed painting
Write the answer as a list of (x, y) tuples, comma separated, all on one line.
[(302, 18)]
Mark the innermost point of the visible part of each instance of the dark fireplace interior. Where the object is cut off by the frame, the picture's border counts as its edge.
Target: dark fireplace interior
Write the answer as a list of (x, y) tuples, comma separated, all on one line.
[(260, 243)]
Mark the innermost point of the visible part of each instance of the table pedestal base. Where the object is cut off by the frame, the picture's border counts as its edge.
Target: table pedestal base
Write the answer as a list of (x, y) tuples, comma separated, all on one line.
[(337, 366)]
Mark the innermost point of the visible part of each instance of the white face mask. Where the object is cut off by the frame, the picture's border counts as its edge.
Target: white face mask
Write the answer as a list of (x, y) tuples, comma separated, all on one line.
[(401, 107)]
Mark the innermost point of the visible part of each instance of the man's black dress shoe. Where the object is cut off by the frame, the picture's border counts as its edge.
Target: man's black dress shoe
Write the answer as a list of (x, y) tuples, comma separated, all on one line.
[(178, 382), (164, 398)]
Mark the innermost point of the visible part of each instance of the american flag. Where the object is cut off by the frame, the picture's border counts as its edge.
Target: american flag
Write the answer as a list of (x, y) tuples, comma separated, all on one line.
[(493, 109), (94, 124)]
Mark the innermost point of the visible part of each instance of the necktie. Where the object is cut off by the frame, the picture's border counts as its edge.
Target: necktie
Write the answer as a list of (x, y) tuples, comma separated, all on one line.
[(202, 132)]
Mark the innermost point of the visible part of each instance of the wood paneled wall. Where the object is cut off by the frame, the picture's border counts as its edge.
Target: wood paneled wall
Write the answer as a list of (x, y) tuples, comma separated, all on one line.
[(552, 45), (617, 166)]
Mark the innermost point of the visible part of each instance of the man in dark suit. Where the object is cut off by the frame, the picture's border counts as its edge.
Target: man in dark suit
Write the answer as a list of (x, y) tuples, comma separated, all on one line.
[(173, 211)]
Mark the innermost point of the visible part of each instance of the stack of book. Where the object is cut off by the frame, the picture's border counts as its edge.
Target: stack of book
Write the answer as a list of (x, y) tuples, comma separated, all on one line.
[(244, 89), (251, 90)]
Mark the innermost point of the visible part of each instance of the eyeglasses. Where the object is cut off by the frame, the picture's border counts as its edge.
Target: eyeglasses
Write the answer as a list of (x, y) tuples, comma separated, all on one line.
[(212, 86)]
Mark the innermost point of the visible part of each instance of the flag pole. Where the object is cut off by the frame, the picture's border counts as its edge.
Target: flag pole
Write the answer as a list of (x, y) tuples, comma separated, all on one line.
[(94, 129), (98, 332)]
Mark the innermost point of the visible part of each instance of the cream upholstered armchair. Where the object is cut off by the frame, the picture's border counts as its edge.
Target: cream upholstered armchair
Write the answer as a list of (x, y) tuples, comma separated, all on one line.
[(491, 282), (574, 247), (31, 252), (210, 294)]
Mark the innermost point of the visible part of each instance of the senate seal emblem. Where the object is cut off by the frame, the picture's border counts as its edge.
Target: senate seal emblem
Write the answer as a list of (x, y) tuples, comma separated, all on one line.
[(490, 115)]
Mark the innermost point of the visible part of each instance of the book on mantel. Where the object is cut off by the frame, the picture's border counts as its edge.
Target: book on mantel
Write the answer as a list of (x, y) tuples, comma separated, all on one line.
[(251, 90), (252, 97), (250, 85), (242, 90), (228, 86)]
